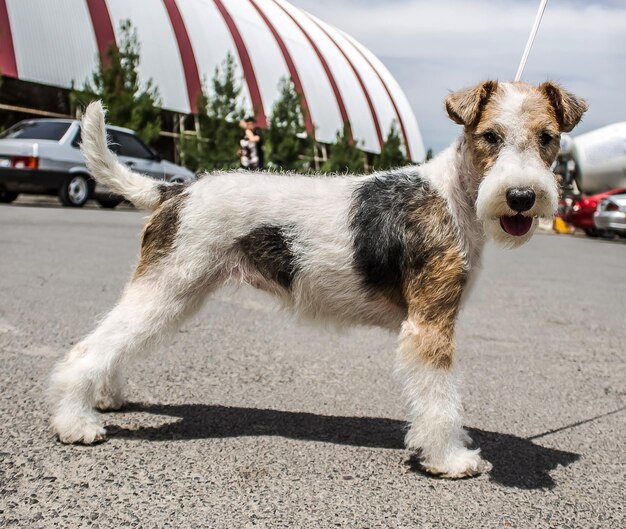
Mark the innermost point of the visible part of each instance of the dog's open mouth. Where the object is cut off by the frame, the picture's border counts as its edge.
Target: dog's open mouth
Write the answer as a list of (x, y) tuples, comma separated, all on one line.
[(516, 225)]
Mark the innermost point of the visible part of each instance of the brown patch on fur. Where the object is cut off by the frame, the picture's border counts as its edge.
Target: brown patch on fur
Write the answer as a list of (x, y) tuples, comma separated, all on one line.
[(540, 119), (471, 108), (465, 106), (171, 190), (159, 234), (568, 108), (538, 130), (546, 111), (433, 293), (483, 154), (433, 296), (433, 345)]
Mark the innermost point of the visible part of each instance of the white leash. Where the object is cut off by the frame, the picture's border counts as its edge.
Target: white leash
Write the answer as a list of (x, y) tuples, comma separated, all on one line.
[(531, 39)]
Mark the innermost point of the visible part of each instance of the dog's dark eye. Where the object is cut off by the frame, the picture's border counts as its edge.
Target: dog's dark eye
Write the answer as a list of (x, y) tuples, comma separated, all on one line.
[(545, 138), (491, 137)]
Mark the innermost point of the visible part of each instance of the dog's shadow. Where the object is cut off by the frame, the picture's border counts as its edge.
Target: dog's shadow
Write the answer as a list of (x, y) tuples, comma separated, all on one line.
[(517, 462)]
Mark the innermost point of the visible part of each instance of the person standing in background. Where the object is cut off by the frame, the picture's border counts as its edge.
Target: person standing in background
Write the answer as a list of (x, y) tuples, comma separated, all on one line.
[(251, 145)]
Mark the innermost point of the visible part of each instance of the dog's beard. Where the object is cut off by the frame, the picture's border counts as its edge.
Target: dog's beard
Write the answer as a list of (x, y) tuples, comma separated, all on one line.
[(500, 222)]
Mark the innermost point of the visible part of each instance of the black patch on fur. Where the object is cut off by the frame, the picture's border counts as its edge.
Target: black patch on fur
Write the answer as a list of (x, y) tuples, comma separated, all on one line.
[(171, 190), (389, 218), (269, 250)]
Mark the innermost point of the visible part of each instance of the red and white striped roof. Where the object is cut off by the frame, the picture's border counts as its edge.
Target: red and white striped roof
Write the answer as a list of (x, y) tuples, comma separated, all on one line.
[(183, 41)]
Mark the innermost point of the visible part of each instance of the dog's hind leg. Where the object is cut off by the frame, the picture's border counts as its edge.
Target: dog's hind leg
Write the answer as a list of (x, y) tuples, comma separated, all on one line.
[(150, 306), (425, 365)]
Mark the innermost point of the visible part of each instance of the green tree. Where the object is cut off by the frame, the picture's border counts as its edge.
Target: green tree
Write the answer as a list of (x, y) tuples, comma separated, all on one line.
[(391, 154), (429, 155), (193, 148), (345, 156), (215, 142), (130, 103), (290, 147)]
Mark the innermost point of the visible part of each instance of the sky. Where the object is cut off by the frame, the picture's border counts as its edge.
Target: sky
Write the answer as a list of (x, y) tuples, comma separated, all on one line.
[(434, 47)]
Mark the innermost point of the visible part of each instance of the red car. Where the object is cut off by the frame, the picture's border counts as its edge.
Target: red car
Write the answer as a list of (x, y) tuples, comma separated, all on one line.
[(581, 214)]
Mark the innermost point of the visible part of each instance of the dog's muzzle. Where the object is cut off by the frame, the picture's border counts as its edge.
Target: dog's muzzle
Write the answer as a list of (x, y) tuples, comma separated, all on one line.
[(520, 200)]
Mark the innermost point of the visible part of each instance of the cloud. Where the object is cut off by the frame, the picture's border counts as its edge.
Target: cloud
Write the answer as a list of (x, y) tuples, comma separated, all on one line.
[(433, 47)]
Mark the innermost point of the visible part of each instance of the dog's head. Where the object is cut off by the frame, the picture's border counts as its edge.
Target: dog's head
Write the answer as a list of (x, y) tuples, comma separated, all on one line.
[(512, 132)]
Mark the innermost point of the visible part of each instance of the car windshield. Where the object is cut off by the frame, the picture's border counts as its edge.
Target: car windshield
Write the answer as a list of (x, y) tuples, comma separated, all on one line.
[(37, 130)]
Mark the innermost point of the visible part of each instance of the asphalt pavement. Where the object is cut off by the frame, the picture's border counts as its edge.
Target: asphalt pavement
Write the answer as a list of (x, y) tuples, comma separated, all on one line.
[(248, 418)]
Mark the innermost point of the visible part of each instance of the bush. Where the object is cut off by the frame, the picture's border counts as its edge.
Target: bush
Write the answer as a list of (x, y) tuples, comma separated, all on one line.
[(345, 156), (215, 142), (391, 155)]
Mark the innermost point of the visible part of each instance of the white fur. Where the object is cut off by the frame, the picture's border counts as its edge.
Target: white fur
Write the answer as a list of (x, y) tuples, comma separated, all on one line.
[(89, 375), (515, 168), (225, 206), (436, 425), (452, 175), (105, 168)]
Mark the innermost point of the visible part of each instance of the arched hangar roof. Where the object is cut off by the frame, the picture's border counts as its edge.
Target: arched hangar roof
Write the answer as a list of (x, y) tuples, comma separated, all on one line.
[(183, 41)]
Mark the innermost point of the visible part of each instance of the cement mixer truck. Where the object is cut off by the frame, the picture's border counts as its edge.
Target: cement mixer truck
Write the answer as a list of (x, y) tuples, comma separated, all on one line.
[(592, 167), (594, 162)]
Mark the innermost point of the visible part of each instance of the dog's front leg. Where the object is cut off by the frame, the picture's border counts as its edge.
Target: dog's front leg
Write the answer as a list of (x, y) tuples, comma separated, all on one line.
[(425, 364), (431, 390)]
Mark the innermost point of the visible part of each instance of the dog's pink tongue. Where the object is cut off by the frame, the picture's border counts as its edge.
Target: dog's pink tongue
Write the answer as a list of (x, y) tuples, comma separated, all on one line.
[(516, 225)]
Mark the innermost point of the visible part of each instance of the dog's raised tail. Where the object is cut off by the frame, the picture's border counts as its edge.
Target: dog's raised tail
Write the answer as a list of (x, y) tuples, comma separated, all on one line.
[(144, 192)]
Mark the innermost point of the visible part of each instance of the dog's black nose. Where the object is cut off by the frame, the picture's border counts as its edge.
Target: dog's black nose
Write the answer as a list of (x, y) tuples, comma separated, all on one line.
[(520, 199)]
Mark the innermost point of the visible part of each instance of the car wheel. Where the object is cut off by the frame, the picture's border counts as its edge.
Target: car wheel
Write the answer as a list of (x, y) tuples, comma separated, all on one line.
[(109, 203), (75, 191), (6, 197), (607, 234), (592, 232)]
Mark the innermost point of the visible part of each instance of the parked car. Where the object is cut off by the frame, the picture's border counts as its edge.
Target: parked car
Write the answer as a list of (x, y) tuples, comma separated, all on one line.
[(581, 213), (610, 217), (42, 156)]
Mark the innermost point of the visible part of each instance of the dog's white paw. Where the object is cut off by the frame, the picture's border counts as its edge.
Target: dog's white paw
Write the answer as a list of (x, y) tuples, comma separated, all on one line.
[(465, 438), (460, 463), (81, 429), (109, 402)]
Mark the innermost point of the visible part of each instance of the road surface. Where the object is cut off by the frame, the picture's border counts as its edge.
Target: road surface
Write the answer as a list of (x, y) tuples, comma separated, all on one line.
[(247, 418)]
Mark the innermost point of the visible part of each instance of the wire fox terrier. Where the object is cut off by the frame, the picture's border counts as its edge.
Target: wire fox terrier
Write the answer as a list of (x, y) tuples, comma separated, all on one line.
[(396, 249)]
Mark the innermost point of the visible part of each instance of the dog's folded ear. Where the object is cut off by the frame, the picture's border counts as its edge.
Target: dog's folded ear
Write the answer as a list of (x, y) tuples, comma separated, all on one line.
[(465, 106), (567, 107)]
